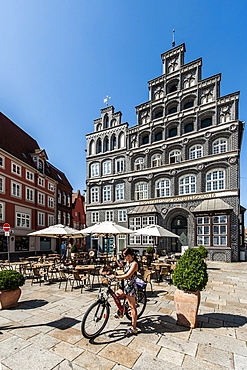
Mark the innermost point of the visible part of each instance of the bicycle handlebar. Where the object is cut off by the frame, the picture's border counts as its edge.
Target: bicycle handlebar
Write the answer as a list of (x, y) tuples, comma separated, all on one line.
[(108, 277)]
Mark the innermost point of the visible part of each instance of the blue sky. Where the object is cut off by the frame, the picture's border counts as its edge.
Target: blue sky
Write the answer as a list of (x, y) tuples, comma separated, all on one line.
[(60, 58)]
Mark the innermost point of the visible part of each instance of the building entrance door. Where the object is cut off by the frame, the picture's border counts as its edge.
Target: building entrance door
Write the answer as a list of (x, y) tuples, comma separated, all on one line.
[(179, 227)]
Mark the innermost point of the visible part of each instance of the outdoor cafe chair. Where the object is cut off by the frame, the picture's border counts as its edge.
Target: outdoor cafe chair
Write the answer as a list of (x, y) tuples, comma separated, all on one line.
[(79, 279), (63, 277), (147, 278), (37, 275), (165, 272)]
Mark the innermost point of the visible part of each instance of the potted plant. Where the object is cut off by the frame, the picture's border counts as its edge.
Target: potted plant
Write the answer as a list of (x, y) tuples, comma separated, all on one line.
[(190, 277), (10, 281), (73, 251)]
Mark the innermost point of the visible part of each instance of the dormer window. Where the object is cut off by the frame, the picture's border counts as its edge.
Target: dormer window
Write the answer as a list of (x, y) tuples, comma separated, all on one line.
[(40, 165)]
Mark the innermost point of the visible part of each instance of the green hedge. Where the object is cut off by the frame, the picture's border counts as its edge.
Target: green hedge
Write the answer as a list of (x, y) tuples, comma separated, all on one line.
[(10, 279)]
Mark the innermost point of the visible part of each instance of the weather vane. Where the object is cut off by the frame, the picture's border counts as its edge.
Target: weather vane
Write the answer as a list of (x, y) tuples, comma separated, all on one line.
[(106, 100), (173, 38)]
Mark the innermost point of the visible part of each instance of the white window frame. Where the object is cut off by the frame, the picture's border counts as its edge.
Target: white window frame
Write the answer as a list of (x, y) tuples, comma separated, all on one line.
[(141, 190), (29, 194), (94, 194), (187, 184), (109, 216), (119, 189), (106, 193), (94, 169), (106, 167), (41, 219), (68, 200), (23, 219), (16, 169), (219, 229), (16, 189), (94, 217), (156, 160), (215, 180), (2, 161), (162, 188), (51, 186), (2, 211), (219, 146), (50, 220), (41, 199), (2, 184), (122, 215), (119, 165), (29, 176), (139, 164), (41, 182), (51, 202), (64, 218), (64, 198), (59, 217), (59, 196), (68, 219), (196, 151), (175, 156)]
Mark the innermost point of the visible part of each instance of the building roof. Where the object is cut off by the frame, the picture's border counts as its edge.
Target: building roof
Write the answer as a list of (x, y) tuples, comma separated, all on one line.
[(144, 209), (212, 205)]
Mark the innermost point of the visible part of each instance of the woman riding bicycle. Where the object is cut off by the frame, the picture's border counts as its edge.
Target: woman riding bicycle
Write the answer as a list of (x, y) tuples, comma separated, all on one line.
[(130, 288)]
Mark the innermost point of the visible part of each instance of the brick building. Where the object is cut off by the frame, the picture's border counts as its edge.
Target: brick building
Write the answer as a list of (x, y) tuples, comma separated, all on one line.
[(79, 216), (177, 167), (33, 193)]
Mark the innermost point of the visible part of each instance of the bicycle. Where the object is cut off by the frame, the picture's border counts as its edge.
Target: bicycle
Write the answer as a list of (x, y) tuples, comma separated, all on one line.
[(97, 315)]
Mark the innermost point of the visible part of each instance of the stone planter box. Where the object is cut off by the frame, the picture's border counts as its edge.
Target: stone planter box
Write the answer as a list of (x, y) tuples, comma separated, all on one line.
[(9, 298), (187, 305)]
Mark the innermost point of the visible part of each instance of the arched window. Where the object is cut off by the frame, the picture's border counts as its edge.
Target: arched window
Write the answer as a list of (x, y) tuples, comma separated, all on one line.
[(172, 88), (141, 190), (92, 147), (139, 164), (106, 121), (175, 156), (95, 169), (162, 188), (158, 114), (215, 180), (99, 127), (106, 167), (156, 160), (145, 139), (106, 144), (113, 142), (219, 146), (188, 104), (187, 185), (206, 122), (158, 136), (195, 152), (121, 140), (172, 132), (99, 146), (172, 110), (188, 127)]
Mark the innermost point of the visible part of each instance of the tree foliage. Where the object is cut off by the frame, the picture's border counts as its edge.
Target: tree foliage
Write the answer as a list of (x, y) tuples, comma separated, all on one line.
[(11, 279)]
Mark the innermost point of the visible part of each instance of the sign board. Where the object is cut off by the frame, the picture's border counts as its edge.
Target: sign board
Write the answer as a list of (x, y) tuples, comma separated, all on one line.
[(6, 227), (6, 233)]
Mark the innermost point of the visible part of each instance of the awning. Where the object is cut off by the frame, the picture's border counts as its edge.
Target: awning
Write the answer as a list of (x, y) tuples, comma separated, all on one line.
[(144, 209), (213, 205)]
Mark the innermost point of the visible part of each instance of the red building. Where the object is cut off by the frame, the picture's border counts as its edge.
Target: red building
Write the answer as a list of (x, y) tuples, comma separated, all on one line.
[(33, 193), (78, 215)]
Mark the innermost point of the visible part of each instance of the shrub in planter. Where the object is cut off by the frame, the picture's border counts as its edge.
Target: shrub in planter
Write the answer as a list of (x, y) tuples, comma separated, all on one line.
[(10, 281), (203, 251), (73, 249), (190, 277), (150, 250)]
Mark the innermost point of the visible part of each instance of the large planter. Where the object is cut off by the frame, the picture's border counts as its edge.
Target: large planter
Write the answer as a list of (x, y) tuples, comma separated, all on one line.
[(9, 298), (187, 305)]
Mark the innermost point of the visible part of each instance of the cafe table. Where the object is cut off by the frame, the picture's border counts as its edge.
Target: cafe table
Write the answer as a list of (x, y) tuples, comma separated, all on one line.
[(158, 266), (87, 269)]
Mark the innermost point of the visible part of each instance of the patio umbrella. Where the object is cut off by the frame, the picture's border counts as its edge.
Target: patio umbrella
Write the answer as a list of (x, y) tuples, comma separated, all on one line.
[(156, 231), (55, 231), (106, 228)]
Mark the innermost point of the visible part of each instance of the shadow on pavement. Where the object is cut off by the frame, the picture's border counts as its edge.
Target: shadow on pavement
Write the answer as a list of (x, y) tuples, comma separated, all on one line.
[(222, 320), (27, 305)]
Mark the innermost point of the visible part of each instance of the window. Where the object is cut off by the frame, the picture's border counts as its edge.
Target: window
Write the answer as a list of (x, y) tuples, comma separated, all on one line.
[(203, 231), (21, 243), (219, 146), (15, 189), (50, 202), (2, 184), (145, 139), (113, 142), (106, 144), (51, 186), (158, 114), (172, 110), (189, 104), (94, 217), (99, 146), (188, 127), (50, 220), (95, 169), (15, 168), (64, 218), (59, 197), (119, 191), (172, 88), (187, 185), (68, 200), (59, 217), (156, 160), (158, 136), (30, 194), (206, 122), (215, 180), (29, 176), (141, 190), (41, 199), (64, 198), (122, 215), (94, 195), (139, 163), (172, 132), (135, 224), (106, 193), (68, 219), (195, 152), (106, 167), (2, 161), (175, 156), (109, 216), (162, 188), (22, 220), (1, 213), (41, 219), (120, 165), (219, 230), (41, 182)]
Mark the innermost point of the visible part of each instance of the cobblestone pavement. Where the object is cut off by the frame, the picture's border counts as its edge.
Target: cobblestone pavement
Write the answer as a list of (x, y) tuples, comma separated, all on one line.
[(43, 332)]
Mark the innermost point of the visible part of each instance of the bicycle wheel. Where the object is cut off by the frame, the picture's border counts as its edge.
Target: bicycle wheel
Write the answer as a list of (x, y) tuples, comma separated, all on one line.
[(95, 319), (140, 304)]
